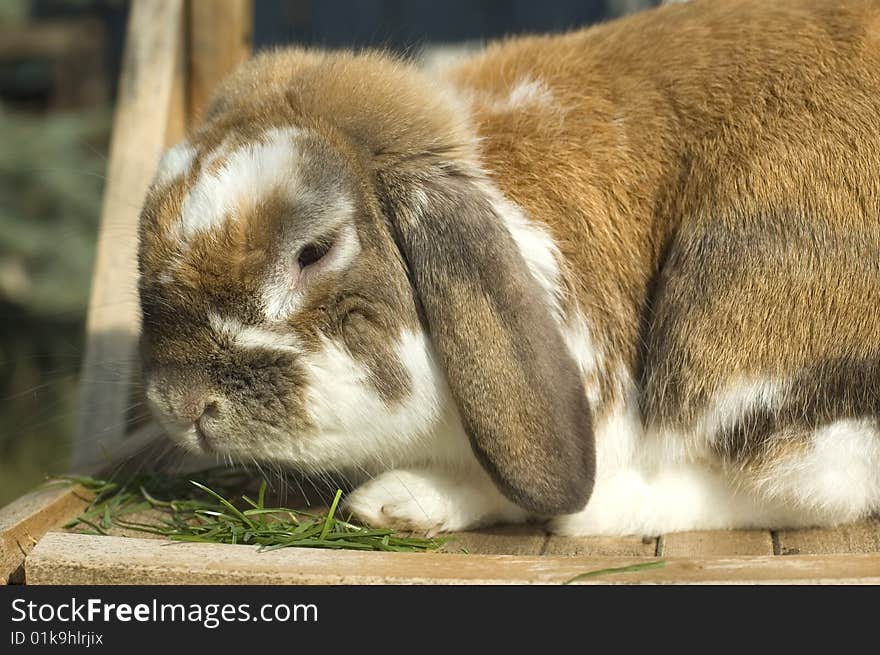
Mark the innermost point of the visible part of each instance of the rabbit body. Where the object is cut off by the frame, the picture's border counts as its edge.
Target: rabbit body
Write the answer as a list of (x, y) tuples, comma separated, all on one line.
[(625, 279)]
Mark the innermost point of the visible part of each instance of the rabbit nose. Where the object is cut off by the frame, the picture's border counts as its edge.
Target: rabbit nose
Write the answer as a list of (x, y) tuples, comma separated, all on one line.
[(193, 408)]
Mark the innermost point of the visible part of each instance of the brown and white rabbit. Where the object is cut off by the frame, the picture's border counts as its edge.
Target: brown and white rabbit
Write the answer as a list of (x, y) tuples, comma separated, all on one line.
[(626, 278)]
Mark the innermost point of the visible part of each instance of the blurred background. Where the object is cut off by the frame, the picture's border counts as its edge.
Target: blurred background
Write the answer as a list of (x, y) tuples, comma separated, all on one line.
[(59, 61)]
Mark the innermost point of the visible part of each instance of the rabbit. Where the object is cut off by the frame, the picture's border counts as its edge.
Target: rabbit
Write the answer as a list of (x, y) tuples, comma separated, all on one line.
[(621, 280)]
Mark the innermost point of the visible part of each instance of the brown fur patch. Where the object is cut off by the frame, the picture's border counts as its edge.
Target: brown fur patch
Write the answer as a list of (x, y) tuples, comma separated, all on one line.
[(675, 116)]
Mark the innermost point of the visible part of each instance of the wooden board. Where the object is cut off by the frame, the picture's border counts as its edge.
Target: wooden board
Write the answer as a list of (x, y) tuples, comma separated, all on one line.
[(28, 518), (175, 54), (178, 118), (601, 546), (716, 543), (62, 558), (861, 537), (139, 132), (219, 39), (499, 540)]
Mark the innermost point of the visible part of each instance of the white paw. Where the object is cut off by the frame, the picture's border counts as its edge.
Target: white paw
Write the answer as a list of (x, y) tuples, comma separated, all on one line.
[(430, 502), (405, 500)]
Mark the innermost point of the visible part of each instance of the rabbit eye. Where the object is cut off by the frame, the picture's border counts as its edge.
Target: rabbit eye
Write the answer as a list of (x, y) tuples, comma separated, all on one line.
[(312, 253)]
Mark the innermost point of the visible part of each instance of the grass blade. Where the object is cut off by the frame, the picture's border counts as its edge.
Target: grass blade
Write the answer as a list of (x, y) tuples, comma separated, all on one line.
[(622, 569), (328, 523), (224, 502)]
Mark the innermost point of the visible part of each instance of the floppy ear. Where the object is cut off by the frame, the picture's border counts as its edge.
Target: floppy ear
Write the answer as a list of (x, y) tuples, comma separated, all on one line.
[(517, 388)]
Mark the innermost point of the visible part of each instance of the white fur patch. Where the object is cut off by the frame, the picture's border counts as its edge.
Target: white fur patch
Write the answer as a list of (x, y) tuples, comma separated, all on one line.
[(249, 337), (678, 497), (651, 481), (738, 400), (166, 276), (726, 409), (586, 354), (525, 94), (249, 174), (536, 246), (355, 428), (837, 475), (529, 92), (253, 337), (620, 436), (175, 163)]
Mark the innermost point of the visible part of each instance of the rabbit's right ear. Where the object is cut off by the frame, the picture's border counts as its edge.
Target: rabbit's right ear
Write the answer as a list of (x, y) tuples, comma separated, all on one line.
[(517, 388)]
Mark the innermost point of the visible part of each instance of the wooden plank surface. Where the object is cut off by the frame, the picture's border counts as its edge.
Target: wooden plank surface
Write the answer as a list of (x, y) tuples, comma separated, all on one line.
[(62, 558), (601, 546), (29, 517), (716, 543), (219, 39), (499, 540), (139, 133), (860, 537)]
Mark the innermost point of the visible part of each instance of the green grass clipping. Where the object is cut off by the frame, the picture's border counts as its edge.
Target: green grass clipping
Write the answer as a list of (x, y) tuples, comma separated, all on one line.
[(211, 511), (657, 564)]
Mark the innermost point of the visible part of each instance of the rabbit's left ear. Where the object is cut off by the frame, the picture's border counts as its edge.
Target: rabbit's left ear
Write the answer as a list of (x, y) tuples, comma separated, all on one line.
[(517, 388)]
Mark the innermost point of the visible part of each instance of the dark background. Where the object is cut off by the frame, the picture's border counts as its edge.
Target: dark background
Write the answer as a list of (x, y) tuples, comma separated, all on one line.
[(402, 24)]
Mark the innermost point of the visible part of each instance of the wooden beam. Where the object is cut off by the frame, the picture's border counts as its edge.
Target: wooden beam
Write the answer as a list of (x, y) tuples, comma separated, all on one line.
[(601, 546), (860, 537), (716, 543), (66, 558), (178, 103), (140, 127), (219, 39), (498, 540), (29, 517)]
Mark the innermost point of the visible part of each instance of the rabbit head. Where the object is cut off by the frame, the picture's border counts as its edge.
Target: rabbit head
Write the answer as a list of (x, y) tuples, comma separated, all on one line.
[(327, 282)]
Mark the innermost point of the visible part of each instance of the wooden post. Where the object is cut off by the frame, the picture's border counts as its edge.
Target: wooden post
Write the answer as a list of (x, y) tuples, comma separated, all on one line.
[(176, 52), (139, 128), (219, 39)]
